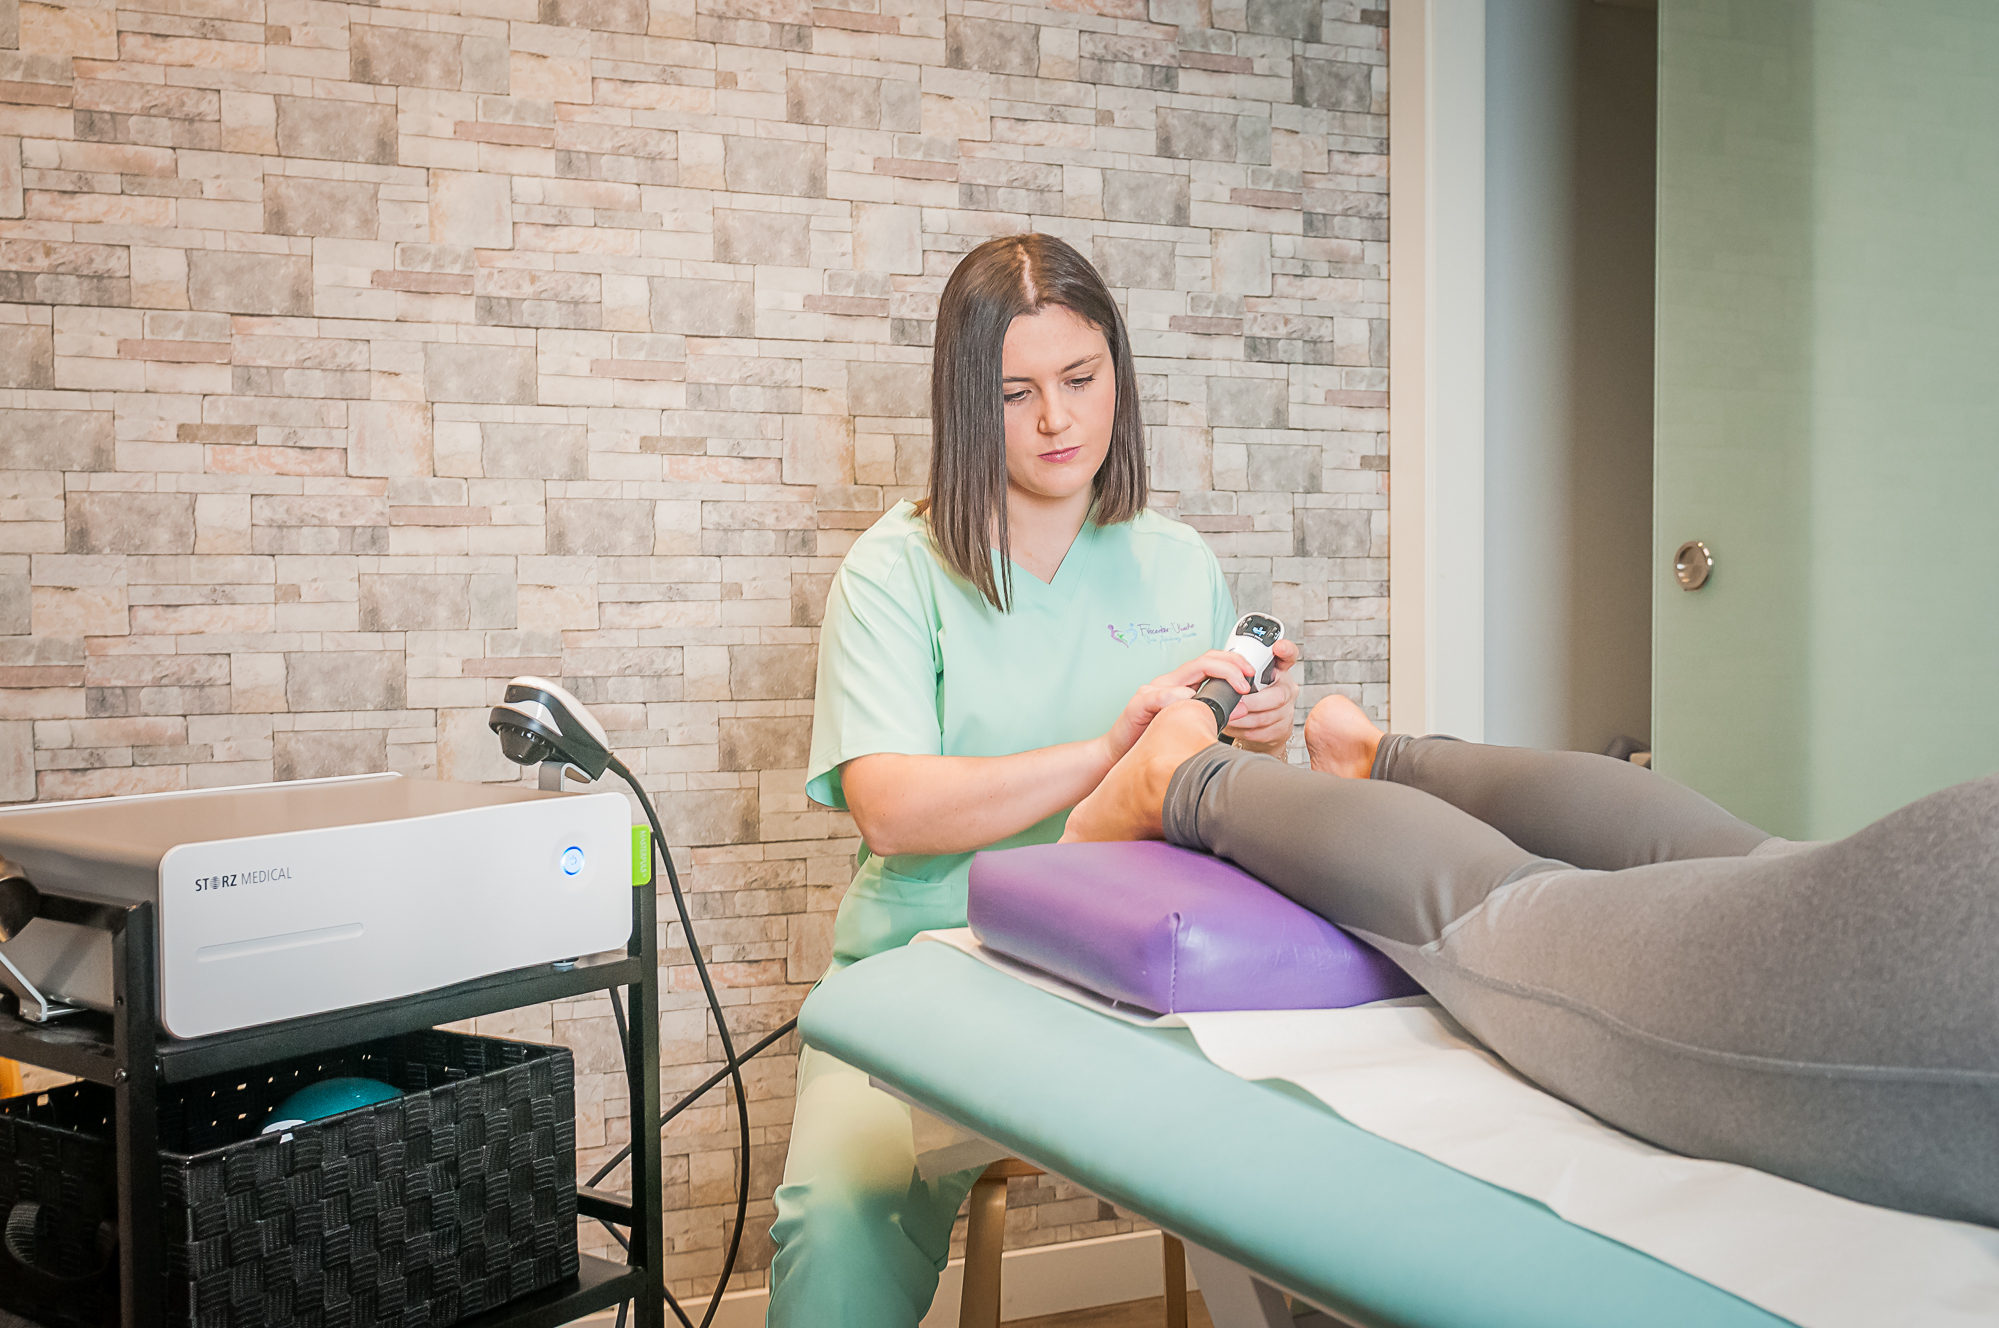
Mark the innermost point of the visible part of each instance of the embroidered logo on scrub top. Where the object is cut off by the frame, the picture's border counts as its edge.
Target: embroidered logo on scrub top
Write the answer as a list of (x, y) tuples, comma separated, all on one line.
[(1151, 634)]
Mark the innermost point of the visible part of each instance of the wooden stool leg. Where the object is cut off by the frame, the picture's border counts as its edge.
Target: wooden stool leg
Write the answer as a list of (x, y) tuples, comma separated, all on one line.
[(1175, 1257), (985, 1237)]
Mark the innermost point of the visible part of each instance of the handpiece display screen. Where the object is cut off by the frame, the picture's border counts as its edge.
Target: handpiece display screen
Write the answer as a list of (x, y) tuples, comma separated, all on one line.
[(1260, 628)]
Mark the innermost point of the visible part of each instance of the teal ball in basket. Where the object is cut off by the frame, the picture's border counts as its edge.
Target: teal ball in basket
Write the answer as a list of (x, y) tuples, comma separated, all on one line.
[(328, 1097)]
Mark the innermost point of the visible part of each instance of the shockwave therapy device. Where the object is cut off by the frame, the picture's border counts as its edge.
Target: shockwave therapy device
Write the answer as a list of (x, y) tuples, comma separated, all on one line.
[(277, 901), (1255, 640), (282, 901)]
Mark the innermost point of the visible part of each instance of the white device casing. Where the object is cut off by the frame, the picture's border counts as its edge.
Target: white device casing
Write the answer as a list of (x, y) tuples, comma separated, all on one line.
[(267, 927), (374, 912)]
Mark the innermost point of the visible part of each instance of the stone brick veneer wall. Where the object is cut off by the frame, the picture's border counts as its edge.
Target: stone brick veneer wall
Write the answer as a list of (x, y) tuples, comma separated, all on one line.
[(355, 357)]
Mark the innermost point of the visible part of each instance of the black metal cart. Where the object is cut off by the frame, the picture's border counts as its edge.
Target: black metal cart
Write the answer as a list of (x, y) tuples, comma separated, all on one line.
[(127, 1052)]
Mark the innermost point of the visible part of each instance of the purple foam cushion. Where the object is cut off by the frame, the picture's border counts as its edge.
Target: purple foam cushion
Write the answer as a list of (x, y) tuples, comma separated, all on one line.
[(1170, 930)]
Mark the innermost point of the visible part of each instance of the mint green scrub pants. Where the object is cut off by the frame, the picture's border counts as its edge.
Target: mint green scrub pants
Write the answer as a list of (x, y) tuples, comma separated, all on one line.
[(861, 1238)]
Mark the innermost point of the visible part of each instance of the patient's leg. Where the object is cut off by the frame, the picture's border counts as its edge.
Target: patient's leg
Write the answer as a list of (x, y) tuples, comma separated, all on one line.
[(1823, 1014), (1588, 810), (1364, 853), (1373, 856)]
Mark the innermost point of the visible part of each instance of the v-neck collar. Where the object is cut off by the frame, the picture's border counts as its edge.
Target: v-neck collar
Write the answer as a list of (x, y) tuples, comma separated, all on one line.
[(1068, 573)]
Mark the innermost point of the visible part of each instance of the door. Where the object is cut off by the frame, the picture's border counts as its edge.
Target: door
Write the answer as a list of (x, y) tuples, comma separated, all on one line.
[(1827, 404)]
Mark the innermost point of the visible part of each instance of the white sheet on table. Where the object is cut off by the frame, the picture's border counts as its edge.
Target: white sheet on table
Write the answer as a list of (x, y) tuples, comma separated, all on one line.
[(1405, 1070)]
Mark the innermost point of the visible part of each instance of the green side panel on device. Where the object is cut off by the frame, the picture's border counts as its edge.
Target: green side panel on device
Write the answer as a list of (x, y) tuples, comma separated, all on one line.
[(1257, 1172), (641, 855)]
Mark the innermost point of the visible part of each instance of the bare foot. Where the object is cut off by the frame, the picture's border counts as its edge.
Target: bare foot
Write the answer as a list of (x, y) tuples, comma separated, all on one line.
[(1341, 739), (1126, 805)]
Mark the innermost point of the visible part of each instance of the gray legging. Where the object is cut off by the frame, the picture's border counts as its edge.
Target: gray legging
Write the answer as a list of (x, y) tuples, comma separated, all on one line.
[(1827, 1012)]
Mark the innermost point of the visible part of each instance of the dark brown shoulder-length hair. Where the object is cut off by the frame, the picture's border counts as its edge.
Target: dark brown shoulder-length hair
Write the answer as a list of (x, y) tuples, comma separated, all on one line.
[(995, 284)]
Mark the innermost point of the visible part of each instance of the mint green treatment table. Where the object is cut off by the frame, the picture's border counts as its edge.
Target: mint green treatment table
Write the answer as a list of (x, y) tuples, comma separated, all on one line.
[(1259, 1173)]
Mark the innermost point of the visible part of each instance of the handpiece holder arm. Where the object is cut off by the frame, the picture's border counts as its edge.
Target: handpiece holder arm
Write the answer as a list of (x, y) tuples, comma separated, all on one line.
[(540, 723), (20, 904)]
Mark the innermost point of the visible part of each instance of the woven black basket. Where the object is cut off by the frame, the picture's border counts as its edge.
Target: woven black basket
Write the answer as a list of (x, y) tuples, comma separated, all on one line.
[(59, 1205), (448, 1201)]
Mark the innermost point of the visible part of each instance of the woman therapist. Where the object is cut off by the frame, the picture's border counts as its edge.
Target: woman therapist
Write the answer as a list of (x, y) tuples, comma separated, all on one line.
[(987, 656)]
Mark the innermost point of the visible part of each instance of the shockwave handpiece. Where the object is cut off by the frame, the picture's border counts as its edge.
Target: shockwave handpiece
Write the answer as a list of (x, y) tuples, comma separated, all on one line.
[(1255, 639)]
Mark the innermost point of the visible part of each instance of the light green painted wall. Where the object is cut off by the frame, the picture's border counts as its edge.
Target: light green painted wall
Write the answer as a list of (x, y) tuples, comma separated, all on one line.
[(1828, 403)]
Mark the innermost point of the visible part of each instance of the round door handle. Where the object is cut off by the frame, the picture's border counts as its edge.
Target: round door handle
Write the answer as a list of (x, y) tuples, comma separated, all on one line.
[(1692, 564)]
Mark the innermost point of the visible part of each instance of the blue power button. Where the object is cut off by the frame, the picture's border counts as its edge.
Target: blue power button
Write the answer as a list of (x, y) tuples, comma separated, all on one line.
[(572, 861)]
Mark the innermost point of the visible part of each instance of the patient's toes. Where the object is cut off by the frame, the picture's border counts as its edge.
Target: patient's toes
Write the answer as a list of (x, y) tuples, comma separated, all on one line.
[(1340, 739)]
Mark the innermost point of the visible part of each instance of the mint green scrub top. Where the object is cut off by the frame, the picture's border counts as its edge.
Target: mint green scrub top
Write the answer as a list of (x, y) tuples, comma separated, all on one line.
[(913, 660)]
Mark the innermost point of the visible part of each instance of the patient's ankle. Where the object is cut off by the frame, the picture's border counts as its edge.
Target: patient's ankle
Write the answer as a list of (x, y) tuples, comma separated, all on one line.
[(1128, 803)]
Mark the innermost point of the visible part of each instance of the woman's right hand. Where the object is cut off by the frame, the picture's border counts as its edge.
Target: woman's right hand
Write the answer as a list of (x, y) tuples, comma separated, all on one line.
[(1170, 688), (905, 803)]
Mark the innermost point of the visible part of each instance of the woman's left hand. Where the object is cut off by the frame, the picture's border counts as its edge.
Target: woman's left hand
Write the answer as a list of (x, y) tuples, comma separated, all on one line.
[(1262, 720)]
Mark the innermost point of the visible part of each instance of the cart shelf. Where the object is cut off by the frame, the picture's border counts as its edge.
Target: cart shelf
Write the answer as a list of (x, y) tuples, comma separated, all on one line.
[(127, 1050)]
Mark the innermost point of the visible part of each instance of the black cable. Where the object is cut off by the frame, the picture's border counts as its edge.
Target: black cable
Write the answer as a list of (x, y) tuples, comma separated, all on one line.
[(625, 1048), (618, 1013), (671, 1304), (694, 1095), (734, 1065), (685, 1102)]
